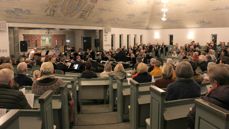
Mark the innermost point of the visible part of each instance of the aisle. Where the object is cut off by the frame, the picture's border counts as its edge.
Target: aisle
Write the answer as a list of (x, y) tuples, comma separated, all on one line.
[(98, 117)]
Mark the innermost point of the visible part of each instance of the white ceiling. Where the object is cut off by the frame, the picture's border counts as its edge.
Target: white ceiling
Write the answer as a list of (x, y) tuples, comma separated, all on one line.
[(118, 13)]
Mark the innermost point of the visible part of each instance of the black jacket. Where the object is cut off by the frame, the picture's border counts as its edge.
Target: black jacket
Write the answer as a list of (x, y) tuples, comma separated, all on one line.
[(12, 99), (88, 74), (143, 78), (23, 80), (218, 96), (182, 89)]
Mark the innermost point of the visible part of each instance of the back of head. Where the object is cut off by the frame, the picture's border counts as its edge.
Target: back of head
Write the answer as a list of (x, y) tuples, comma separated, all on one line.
[(88, 65), (167, 71), (7, 65), (6, 76), (219, 73), (152, 61), (142, 68), (184, 70), (108, 67), (47, 68), (119, 68), (22, 67), (224, 60)]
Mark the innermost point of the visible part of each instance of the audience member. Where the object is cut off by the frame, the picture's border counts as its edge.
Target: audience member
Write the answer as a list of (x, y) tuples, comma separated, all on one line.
[(21, 78), (156, 72), (107, 70), (88, 73), (184, 86), (167, 76), (142, 75), (9, 97), (47, 81)]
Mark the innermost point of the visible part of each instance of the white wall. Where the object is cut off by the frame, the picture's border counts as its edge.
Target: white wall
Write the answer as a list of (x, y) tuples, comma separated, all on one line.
[(201, 35), (4, 43), (125, 32)]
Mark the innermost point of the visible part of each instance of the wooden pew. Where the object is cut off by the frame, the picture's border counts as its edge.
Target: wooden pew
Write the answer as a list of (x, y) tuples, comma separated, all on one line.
[(72, 83), (30, 119), (139, 103), (60, 108), (45, 101), (93, 89), (123, 99), (112, 93), (210, 116), (167, 114)]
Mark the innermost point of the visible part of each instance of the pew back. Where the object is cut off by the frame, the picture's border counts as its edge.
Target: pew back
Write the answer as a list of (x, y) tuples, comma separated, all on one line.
[(210, 116), (168, 114)]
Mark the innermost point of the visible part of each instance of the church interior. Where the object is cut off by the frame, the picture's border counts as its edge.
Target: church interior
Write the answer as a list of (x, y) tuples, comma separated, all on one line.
[(114, 64)]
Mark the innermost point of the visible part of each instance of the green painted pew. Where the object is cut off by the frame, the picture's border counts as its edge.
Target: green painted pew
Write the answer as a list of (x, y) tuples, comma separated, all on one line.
[(139, 103), (210, 116), (167, 114)]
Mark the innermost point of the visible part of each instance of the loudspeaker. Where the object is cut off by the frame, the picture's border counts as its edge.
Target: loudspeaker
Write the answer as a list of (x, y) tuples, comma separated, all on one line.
[(23, 46)]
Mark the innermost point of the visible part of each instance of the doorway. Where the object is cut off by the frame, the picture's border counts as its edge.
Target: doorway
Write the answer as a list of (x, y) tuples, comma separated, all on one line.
[(214, 38), (86, 43), (171, 39)]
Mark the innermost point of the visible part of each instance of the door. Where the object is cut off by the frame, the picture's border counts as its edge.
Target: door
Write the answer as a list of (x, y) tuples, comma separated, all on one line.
[(86, 43), (214, 38), (170, 39)]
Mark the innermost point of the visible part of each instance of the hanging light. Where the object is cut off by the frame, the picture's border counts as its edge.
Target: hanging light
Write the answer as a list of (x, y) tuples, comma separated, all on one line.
[(164, 9), (164, 19)]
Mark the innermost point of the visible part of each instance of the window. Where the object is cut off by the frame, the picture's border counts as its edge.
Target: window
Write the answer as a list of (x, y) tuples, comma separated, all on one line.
[(112, 41), (141, 39), (128, 41), (120, 41)]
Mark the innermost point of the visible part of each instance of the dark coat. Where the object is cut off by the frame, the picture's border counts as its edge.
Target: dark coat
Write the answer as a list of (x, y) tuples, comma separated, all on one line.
[(163, 83), (23, 80), (61, 66), (218, 96), (143, 78), (182, 89), (88, 74), (12, 99)]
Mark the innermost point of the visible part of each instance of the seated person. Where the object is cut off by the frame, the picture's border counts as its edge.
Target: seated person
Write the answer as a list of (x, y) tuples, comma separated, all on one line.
[(219, 94), (61, 65), (88, 73), (9, 97), (47, 81), (156, 70), (184, 86), (21, 77), (36, 75), (167, 76), (107, 70), (142, 75), (119, 71)]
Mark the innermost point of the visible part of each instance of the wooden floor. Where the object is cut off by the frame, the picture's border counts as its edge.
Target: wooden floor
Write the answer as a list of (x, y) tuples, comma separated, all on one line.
[(98, 117)]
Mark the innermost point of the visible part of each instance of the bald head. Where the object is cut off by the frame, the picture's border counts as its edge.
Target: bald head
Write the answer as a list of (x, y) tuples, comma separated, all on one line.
[(22, 67), (6, 76)]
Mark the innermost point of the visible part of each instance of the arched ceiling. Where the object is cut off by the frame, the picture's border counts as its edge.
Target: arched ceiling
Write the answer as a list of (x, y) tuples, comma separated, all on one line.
[(118, 13)]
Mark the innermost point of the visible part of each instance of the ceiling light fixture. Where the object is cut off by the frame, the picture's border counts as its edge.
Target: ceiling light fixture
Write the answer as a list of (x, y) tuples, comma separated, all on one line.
[(164, 10)]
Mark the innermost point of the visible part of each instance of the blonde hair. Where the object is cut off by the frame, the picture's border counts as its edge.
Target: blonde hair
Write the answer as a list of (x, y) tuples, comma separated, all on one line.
[(22, 67), (36, 74), (108, 67), (142, 67), (119, 68), (47, 68), (167, 71)]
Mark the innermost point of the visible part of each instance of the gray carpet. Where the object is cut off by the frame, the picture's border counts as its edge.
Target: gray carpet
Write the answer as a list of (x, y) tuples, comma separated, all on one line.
[(95, 108), (97, 118)]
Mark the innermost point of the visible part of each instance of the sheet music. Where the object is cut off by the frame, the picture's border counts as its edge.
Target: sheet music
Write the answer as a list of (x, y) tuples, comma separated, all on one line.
[(2, 112), (22, 90), (30, 99)]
